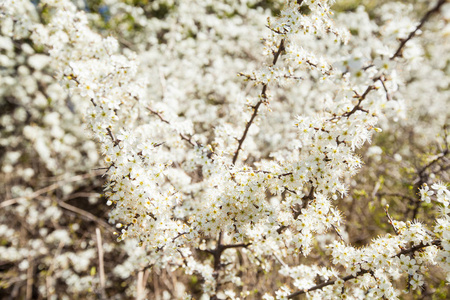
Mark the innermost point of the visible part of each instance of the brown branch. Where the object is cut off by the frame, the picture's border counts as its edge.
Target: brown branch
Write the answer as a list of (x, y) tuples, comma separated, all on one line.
[(390, 219), (113, 138), (82, 195), (86, 215), (362, 272), (158, 115), (182, 136), (278, 53), (50, 188), (306, 200), (361, 99), (397, 53), (338, 232), (173, 240), (422, 177), (101, 263), (217, 253), (357, 107), (382, 79), (418, 247), (242, 245), (256, 107), (439, 157), (396, 195), (247, 126), (413, 33)]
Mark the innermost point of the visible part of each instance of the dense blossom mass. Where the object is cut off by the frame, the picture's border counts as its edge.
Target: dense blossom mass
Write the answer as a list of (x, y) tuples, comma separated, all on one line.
[(246, 150)]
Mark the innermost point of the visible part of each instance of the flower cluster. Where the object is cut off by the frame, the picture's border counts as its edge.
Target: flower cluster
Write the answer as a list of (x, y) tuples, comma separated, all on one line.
[(207, 174)]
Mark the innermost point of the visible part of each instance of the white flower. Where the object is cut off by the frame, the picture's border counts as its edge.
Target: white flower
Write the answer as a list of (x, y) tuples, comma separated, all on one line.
[(425, 193)]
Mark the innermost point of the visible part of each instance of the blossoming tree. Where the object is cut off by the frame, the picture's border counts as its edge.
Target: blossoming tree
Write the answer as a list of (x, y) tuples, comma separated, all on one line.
[(230, 134)]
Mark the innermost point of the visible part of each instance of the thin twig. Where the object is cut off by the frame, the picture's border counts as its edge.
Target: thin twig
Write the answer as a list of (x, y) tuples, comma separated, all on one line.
[(396, 195), (397, 53), (338, 232), (113, 138), (182, 136), (82, 195), (362, 272), (390, 219), (50, 188), (280, 260), (256, 107), (360, 99), (52, 267), (413, 33), (438, 157), (85, 214), (388, 96)]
